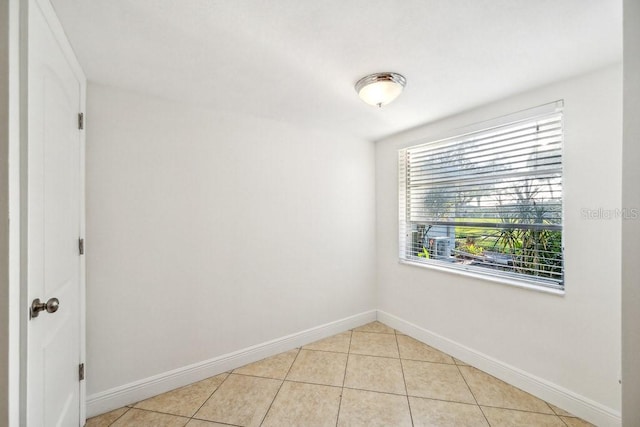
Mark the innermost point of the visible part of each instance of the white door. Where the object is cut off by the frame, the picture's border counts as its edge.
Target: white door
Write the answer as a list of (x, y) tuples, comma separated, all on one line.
[(54, 215)]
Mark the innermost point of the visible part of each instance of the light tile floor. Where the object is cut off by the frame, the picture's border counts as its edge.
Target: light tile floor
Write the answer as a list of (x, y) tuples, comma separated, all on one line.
[(370, 376)]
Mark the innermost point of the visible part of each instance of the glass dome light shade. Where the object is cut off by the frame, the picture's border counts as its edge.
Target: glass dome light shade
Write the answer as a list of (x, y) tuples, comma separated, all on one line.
[(381, 88)]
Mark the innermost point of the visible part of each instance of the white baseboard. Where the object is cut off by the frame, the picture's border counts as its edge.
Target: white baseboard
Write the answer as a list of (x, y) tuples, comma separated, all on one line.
[(127, 394), (580, 406)]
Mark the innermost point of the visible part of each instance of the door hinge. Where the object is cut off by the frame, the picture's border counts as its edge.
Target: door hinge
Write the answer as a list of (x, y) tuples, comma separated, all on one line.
[(81, 371), (81, 246), (80, 120)]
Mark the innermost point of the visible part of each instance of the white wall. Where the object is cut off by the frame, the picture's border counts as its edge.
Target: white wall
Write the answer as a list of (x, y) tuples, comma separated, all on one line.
[(572, 341), (631, 229), (209, 233)]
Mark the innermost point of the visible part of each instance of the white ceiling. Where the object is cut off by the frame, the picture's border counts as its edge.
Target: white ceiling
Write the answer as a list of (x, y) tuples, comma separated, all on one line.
[(297, 60)]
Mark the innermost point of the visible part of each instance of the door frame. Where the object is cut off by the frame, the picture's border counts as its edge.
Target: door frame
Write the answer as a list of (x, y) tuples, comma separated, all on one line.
[(18, 192), (10, 214)]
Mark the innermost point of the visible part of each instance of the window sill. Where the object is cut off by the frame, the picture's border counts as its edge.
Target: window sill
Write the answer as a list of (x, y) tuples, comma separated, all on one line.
[(487, 278)]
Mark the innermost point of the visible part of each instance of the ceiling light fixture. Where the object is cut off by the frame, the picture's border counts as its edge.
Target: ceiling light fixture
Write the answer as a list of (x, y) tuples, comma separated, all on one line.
[(380, 88)]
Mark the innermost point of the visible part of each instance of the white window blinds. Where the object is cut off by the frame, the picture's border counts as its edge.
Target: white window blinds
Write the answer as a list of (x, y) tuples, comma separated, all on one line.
[(488, 201)]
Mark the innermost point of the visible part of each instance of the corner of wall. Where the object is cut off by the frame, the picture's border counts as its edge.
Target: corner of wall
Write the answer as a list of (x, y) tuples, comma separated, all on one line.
[(631, 227)]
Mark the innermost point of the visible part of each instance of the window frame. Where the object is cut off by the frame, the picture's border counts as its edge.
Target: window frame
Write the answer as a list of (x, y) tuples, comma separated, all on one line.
[(479, 271)]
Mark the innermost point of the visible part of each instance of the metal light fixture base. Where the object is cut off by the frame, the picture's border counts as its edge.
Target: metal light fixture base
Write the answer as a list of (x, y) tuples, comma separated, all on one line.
[(380, 88)]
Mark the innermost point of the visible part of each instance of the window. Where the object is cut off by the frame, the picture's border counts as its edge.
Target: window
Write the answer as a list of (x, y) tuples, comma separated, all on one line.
[(488, 201)]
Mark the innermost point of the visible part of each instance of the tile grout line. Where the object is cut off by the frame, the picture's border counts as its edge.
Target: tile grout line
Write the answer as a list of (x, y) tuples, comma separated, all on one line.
[(525, 411), (386, 393), (324, 351), (153, 412), (215, 422), (267, 378), (553, 413), (311, 383), (557, 415), (435, 399), (359, 330), (561, 419), (264, 417), (121, 415), (404, 380), (211, 395), (344, 377), (385, 357), (426, 361), (472, 394)]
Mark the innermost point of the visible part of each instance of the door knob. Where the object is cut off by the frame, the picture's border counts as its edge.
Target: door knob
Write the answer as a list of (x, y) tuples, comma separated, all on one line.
[(51, 306)]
